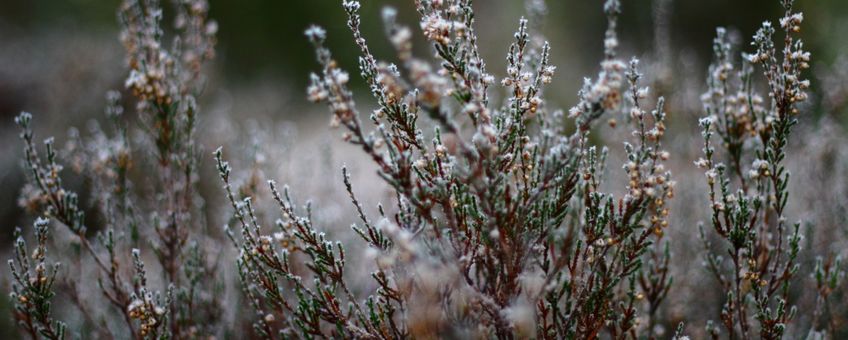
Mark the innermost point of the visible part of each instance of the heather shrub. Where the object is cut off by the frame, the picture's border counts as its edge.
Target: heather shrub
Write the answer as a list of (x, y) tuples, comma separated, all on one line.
[(499, 217), (763, 246), (163, 225), (504, 215)]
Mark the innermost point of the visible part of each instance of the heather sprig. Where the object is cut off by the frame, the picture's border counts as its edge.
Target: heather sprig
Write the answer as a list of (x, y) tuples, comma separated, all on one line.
[(748, 207), (62, 205), (265, 268), (32, 285), (145, 305), (829, 274)]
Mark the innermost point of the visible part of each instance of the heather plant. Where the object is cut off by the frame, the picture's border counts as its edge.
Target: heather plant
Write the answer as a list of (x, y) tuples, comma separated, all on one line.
[(504, 204), (32, 289), (165, 225), (748, 202), (505, 216)]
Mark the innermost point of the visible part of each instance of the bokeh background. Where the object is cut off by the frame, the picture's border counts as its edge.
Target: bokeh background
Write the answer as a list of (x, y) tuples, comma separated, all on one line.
[(58, 59)]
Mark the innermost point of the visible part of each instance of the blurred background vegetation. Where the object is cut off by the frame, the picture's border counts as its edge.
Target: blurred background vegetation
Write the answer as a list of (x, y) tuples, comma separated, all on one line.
[(58, 58), (263, 38)]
